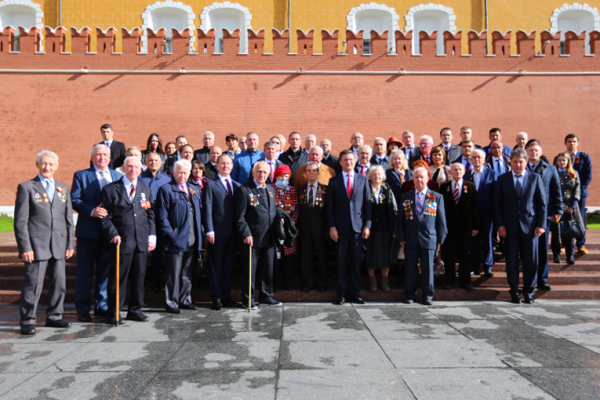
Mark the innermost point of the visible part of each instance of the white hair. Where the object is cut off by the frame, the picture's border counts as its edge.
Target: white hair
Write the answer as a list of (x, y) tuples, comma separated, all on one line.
[(208, 133), (99, 146), (375, 168), (132, 158), (365, 146), (184, 164), (318, 148), (426, 137), (378, 139), (522, 134), (255, 166), (47, 153), (480, 152), (421, 169), (310, 136)]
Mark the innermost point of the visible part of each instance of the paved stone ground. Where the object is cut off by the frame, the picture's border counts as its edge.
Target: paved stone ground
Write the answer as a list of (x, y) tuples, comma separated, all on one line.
[(452, 350)]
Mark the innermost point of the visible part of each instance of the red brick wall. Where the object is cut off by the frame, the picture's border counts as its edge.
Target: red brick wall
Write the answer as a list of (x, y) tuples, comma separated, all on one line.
[(63, 112)]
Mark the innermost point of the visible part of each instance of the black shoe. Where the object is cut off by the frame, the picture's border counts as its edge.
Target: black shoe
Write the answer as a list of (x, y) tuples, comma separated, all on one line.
[(571, 260), (84, 317), (28, 330), (59, 323), (544, 286), (356, 300), (252, 306), (448, 286), (488, 273), (112, 320), (427, 302), (528, 299), (515, 299), (217, 305), (100, 313), (173, 310), (188, 307), (137, 316), (557, 258), (341, 300), (409, 301), (469, 287), (229, 304)]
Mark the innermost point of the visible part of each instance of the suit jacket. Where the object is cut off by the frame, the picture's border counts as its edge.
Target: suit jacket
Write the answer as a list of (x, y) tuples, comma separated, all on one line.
[(492, 164), (173, 214), (527, 211), (211, 171), (506, 151), (385, 161), (485, 193), (312, 220), (132, 220), (461, 218), (218, 210), (325, 175), (419, 157), (552, 189), (43, 227), (277, 164), (348, 214), (86, 194), (332, 162), (452, 154), (255, 214), (476, 146), (203, 155), (583, 165), (168, 164), (117, 154), (416, 152), (429, 229), (467, 173)]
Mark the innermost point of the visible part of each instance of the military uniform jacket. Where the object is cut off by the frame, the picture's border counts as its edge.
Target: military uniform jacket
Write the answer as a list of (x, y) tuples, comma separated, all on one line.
[(312, 220), (255, 213)]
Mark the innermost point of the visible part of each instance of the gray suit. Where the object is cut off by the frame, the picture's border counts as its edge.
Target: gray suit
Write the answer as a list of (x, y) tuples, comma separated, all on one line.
[(46, 228)]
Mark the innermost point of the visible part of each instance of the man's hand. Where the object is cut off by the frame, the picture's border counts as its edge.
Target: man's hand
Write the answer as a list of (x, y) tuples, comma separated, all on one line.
[(70, 253), (403, 244), (27, 257), (569, 210), (474, 233), (334, 234), (99, 212), (439, 246), (502, 231), (249, 241), (151, 246), (210, 238), (366, 233), (539, 232), (116, 240), (555, 218)]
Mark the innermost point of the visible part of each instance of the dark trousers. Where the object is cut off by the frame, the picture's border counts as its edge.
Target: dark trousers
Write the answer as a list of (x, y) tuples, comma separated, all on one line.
[(33, 282), (542, 265), (156, 262), (581, 203), (556, 240), (92, 253), (518, 243), (179, 267), (221, 258), (411, 272), (349, 248), (282, 269), (132, 269), (457, 245), (319, 245), (262, 262), (482, 244)]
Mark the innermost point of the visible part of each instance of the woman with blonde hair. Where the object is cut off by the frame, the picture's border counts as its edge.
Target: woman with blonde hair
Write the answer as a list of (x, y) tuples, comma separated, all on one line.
[(396, 171)]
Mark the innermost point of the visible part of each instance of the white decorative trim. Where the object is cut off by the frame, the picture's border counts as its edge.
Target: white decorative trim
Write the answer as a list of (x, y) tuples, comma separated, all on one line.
[(423, 7), (351, 18), (167, 4), (574, 6), (39, 15), (205, 20)]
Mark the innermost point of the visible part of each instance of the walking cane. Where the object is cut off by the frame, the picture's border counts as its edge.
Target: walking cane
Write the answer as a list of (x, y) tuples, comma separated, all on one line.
[(250, 281), (118, 316)]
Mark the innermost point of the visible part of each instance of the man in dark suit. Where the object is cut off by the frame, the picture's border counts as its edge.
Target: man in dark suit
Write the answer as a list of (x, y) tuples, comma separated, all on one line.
[(467, 146), (496, 160), (44, 233), (167, 167), (582, 163), (295, 156), (218, 218), (484, 180), (329, 159), (357, 140), (421, 231), (270, 149), (364, 160), (203, 154), (92, 247), (496, 136), (452, 151), (117, 149), (312, 223), (129, 223), (554, 201), (255, 213), (380, 157), (410, 150), (462, 220), (349, 220), (211, 166), (425, 146), (520, 213)]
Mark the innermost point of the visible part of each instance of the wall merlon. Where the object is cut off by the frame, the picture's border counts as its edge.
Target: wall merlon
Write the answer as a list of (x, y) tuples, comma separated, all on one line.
[(305, 42), (525, 43), (595, 43), (403, 43), (131, 40), (575, 43), (428, 43), (552, 49), (80, 40), (452, 43), (329, 42), (501, 43)]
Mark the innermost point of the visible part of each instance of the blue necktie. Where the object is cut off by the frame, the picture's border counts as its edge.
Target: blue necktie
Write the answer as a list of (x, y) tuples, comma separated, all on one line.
[(518, 186), (419, 204), (50, 190), (500, 169)]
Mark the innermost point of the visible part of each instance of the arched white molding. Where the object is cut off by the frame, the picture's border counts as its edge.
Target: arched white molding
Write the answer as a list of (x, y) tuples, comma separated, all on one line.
[(23, 13), (377, 17), (230, 16), (429, 17), (169, 15), (577, 18)]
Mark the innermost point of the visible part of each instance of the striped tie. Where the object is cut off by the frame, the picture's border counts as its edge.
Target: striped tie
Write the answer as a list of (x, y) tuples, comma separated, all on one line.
[(456, 193)]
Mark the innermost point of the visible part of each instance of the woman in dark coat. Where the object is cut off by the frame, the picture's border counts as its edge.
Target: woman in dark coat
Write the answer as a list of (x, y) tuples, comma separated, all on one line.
[(396, 173), (383, 228), (571, 190)]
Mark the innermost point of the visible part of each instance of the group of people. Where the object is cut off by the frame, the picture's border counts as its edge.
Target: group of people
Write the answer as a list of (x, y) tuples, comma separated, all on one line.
[(428, 205)]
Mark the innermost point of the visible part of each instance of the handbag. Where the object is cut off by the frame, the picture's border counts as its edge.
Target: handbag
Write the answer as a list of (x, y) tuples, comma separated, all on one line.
[(201, 267), (570, 229)]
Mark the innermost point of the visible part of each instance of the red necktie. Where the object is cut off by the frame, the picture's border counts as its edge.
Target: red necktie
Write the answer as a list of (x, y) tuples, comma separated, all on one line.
[(183, 189), (272, 172), (349, 186), (362, 171), (132, 193), (456, 194), (229, 190)]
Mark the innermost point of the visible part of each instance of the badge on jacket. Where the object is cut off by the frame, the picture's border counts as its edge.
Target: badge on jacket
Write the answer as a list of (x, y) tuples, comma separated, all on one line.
[(37, 198), (408, 210), (253, 200), (62, 194), (145, 204)]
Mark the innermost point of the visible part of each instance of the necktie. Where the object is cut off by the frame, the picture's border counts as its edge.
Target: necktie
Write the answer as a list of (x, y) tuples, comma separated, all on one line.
[(311, 196), (518, 186), (362, 171), (428, 160), (468, 167), (50, 190), (456, 193), (500, 169), (408, 153), (132, 193), (419, 204), (272, 172), (107, 144), (103, 180), (349, 186), (229, 190)]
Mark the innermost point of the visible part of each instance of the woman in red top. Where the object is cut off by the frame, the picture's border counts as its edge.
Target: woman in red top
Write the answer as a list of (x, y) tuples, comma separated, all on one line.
[(287, 200)]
